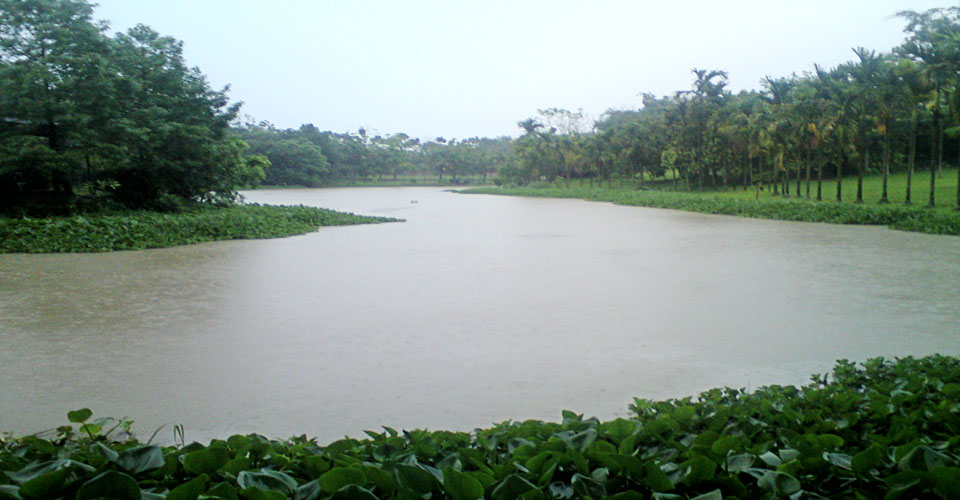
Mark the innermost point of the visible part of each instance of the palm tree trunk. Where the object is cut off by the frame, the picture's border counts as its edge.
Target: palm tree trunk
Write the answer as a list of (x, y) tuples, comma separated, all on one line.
[(864, 161), (840, 178), (820, 180), (933, 162), (912, 155), (808, 174), (886, 164)]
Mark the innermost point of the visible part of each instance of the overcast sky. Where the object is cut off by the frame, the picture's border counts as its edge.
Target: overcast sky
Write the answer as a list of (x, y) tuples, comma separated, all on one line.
[(460, 69)]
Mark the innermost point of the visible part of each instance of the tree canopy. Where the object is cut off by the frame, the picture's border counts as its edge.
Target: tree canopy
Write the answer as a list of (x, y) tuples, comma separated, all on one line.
[(93, 119)]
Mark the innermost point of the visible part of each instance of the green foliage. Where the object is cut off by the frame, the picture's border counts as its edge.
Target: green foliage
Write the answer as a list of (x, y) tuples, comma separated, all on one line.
[(898, 217), (884, 429), (140, 229), (89, 117)]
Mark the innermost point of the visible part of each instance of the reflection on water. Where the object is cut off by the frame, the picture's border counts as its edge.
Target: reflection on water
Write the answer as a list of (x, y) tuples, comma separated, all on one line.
[(476, 310)]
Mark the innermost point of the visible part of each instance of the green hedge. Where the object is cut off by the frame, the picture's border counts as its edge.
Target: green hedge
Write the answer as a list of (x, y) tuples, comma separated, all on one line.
[(886, 429), (139, 230)]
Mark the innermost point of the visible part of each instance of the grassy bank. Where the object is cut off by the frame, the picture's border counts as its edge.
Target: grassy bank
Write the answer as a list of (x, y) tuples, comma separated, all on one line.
[(137, 230), (914, 217), (880, 430)]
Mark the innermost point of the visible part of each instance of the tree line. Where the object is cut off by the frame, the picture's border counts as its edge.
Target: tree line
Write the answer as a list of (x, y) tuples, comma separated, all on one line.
[(878, 112), (310, 157), (89, 121)]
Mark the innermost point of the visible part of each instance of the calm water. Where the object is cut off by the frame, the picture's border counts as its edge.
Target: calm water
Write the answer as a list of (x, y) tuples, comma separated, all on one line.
[(476, 310)]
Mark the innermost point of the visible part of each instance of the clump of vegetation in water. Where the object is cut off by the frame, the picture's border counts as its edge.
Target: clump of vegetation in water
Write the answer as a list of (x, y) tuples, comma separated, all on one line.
[(136, 230), (886, 429), (896, 216)]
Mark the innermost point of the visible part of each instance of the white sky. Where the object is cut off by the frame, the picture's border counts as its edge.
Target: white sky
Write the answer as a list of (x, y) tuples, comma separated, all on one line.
[(458, 68)]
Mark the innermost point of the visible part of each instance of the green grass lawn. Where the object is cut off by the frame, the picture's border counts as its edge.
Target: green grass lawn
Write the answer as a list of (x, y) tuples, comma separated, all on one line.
[(945, 193), (942, 220)]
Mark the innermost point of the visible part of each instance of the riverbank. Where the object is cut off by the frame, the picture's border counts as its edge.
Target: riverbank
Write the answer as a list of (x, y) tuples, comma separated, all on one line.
[(906, 218), (138, 230), (883, 429)]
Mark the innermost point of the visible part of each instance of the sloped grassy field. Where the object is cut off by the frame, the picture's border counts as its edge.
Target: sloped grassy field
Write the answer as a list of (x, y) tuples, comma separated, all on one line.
[(884, 429)]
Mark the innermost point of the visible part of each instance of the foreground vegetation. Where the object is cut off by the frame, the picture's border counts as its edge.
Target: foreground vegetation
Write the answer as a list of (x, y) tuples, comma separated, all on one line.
[(137, 230), (751, 203), (886, 429)]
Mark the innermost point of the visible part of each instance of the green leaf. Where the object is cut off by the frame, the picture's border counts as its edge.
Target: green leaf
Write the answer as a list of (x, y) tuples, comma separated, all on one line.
[(415, 479), (79, 416), (107, 453), (9, 492), (740, 463), (655, 478), (511, 488), (840, 460), (353, 492), (865, 460), (461, 486), (205, 461), (948, 482), (53, 484), (923, 458), (258, 494), (779, 483), (308, 491), (189, 490), (140, 459), (713, 495), (223, 490), (697, 469), (338, 477), (268, 480), (110, 484), (588, 487), (625, 495)]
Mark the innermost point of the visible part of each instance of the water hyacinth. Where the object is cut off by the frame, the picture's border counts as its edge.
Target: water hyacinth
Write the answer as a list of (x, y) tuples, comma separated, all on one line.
[(884, 429)]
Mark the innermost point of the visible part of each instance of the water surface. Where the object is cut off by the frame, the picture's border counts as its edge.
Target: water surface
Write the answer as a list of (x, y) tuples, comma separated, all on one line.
[(476, 310)]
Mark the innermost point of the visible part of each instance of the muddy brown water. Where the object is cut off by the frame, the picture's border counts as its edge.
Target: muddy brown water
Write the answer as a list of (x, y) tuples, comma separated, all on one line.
[(476, 310)]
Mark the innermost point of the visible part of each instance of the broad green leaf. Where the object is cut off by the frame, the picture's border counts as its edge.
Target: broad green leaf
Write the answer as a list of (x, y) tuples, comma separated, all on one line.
[(626, 495), (189, 490), (511, 488), (867, 459), (268, 480), (53, 484), (308, 491), (948, 482), (353, 492), (223, 490), (110, 484), (38, 469), (79, 416), (839, 459), (740, 463), (923, 458), (461, 486), (713, 495), (415, 479), (107, 453), (140, 459), (338, 477), (655, 479), (258, 494), (779, 483), (697, 469), (206, 461), (9, 492), (588, 487)]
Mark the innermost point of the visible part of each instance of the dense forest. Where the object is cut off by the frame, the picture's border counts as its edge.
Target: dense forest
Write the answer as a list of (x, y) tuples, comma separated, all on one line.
[(92, 121)]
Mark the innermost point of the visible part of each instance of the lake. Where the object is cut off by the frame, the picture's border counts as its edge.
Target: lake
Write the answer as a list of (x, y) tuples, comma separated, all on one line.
[(476, 310)]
